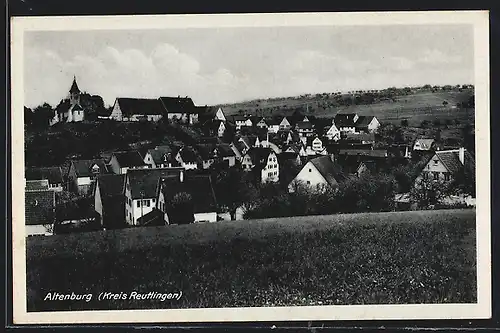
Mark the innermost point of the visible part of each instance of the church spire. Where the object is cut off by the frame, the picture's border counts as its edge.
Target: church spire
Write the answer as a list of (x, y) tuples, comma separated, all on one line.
[(74, 86)]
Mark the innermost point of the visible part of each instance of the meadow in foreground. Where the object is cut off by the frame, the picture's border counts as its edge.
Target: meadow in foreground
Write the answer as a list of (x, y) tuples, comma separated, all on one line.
[(379, 258)]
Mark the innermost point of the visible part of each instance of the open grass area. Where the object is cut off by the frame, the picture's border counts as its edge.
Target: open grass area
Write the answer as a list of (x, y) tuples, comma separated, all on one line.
[(378, 258)]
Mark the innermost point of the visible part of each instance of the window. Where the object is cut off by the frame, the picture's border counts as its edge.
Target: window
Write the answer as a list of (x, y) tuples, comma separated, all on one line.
[(435, 162), (436, 175), (308, 182), (447, 176), (130, 216), (146, 202), (138, 203), (310, 170)]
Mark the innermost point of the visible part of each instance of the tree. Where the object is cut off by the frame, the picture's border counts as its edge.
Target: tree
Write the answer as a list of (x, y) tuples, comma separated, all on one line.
[(428, 192), (28, 117), (42, 115), (445, 103), (404, 122), (181, 209)]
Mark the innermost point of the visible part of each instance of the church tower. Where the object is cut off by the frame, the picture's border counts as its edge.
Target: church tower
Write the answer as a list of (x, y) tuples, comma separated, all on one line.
[(74, 93)]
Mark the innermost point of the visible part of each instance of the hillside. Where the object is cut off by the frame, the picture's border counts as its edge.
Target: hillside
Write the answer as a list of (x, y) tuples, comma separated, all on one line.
[(416, 105), (398, 257)]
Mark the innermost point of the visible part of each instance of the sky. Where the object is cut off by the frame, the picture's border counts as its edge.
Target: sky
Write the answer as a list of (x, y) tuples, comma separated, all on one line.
[(224, 65)]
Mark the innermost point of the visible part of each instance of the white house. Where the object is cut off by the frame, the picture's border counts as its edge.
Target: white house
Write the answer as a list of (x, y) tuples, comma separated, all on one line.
[(137, 109), (367, 124), (181, 109), (122, 161), (333, 133), (320, 172), (346, 122), (70, 109), (141, 189), (264, 162), (188, 158), (82, 173), (160, 157), (424, 144), (53, 175), (284, 124)]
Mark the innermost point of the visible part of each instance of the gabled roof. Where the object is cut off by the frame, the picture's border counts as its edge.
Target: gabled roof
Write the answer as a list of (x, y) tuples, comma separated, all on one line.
[(158, 154), (360, 136), (83, 168), (140, 106), (345, 119), (129, 158), (111, 185), (199, 187), (238, 117), (179, 105), (52, 174), (304, 125), (224, 150), (364, 121), (145, 181), (36, 185), (259, 156), (189, 155), (328, 169), (39, 207)]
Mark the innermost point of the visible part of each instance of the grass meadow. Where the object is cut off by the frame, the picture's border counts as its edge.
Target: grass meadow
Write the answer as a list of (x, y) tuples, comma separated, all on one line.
[(372, 258)]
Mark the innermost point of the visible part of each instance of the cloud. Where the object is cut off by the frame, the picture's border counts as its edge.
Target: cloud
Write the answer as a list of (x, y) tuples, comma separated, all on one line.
[(437, 57)]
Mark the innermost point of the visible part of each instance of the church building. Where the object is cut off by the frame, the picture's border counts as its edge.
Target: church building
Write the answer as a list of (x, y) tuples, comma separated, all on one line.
[(70, 109)]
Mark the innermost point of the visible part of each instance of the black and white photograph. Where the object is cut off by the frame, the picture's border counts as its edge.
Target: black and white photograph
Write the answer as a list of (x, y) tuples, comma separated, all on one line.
[(251, 167)]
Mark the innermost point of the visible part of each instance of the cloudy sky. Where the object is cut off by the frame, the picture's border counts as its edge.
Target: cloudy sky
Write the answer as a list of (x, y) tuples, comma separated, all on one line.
[(233, 64)]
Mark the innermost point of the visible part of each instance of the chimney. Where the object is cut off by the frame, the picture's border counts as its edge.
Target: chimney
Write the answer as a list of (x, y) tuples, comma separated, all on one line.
[(181, 176), (461, 155)]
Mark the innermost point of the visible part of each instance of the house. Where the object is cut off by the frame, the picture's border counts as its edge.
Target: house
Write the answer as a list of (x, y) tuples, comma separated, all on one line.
[(137, 109), (141, 189), (181, 109), (39, 210), (202, 205), (262, 123), (317, 145), (238, 147), (424, 144), (346, 122), (224, 152), (264, 162), (160, 157), (36, 185), (333, 133), (297, 148), (82, 174), (208, 113), (188, 158), (206, 153), (215, 127), (70, 109), (350, 160), (445, 165), (363, 138), (273, 125), (241, 121), (317, 173), (304, 128), (367, 124), (285, 124), (123, 160), (109, 200), (52, 174)]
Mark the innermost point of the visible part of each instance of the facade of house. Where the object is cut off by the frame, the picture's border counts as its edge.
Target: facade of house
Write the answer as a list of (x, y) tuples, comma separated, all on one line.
[(319, 172), (273, 125), (242, 121), (137, 109), (333, 133), (424, 144), (285, 124), (262, 123), (346, 122), (264, 162), (160, 157), (53, 175), (82, 174), (180, 109), (445, 164), (188, 158), (39, 209), (367, 124), (305, 129), (141, 189), (122, 161), (109, 200)]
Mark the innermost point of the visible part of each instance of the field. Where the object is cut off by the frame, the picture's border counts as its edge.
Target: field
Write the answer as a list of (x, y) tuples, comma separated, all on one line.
[(377, 258), (415, 107)]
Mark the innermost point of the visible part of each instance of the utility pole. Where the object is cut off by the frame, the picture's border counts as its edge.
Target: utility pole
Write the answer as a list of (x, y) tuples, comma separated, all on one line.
[(142, 203)]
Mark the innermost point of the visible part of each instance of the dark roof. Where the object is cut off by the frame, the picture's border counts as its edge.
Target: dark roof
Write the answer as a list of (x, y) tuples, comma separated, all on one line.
[(179, 105), (364, 121), (205, 150), (224, 150), (238, 117), (154, 218), (74, 87), (158, 154), (111, 185), (37, 185), (52, 174), (363, 152), (199, 187), (304, 125), (77, 107), (140, 106), (287, 156), (189, 155), (130, 158), (259, 156), (83, 168), (451, 160), (328, 169), (146, 180), (344, 119), (360, 136), (39, 207)]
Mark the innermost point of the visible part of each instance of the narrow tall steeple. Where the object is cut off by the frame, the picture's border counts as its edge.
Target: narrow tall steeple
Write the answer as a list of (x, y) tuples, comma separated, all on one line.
[(74, 93)]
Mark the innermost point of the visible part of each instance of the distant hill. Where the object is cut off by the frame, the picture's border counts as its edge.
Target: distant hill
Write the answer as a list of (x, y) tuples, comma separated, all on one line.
[(390, 105)]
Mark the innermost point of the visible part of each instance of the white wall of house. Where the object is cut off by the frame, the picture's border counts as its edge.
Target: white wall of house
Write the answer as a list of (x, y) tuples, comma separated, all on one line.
[(220, 115), (284, 124), (246, 163), (116, 113), (138, 207), (78, 115), (333, 133), (221, 130), (373, 125), (273, 128), (348, 129), (436, 170), (271, 171), (231, 160), (81, 181), (205, 217), (317, 144), (148, 159), (309, 176), (181, 117), (98, 201), (37, 229)]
